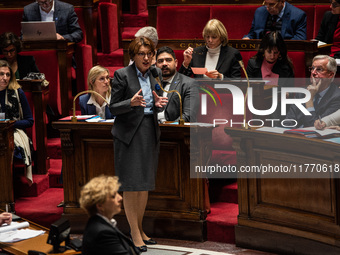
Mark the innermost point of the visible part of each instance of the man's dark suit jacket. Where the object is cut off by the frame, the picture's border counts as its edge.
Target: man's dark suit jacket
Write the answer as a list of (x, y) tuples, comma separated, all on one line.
[(90, 109), (26, 64), (65, 18), (282, 69), (188, 89), (329, 103), (227, 63), (102, 238), (125, 85), (294, 23), (328, 26)]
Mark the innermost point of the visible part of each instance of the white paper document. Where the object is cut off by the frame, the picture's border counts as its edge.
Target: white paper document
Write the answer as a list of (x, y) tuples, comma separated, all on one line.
[(12, 233)]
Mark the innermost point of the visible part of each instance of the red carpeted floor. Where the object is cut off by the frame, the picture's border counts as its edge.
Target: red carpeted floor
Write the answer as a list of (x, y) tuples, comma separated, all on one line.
[(43, 208)]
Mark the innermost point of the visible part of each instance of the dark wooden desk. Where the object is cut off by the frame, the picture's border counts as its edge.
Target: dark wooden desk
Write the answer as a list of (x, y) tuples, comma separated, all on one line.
[(65, 52), (176, 208), (38, 243), (6, 162), (287, 215), (39, 97)]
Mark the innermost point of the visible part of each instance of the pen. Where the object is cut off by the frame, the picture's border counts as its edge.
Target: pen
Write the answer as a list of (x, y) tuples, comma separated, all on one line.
[(6, 207)]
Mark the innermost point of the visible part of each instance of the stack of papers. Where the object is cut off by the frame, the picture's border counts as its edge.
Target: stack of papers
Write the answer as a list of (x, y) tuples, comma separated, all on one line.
[(11, 233)]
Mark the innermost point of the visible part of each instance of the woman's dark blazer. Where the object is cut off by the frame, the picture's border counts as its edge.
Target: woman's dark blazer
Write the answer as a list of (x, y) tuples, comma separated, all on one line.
[(102, 238), (26, 65), (125, 85), (227, 63), (90, 109), (327, 28), (284, 70)]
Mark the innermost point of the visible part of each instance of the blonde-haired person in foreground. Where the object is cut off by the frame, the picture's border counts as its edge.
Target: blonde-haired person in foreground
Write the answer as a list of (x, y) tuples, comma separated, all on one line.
[(101, 200), (219, 58)]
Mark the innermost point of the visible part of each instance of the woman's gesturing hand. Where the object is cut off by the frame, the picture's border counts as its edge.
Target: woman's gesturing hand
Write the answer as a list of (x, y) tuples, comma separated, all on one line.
[(138, 100)]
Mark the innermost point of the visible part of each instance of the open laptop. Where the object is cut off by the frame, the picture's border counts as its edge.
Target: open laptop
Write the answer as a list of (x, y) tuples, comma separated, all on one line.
[(38, 30)]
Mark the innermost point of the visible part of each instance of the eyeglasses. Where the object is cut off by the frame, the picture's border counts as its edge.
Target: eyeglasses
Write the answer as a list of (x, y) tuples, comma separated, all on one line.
[(334, 4), (316, 69), (103, 79), (8, 51), (47, 2), (143, 54), (5, 74), (270, 6)]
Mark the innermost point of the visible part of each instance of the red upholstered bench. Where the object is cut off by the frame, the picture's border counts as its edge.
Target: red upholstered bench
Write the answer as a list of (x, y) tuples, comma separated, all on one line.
[(11, 20), (47, 63), (237, 19), (319, 12), (111, 56), (309, 10), (185, 22)]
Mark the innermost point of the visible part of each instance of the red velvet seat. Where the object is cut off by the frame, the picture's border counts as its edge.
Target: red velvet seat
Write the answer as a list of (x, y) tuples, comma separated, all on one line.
[(222, 150), (111, 55), (11, 20), (319, 12), (237, 19), (309, 10), (184, 22), (47, 63)]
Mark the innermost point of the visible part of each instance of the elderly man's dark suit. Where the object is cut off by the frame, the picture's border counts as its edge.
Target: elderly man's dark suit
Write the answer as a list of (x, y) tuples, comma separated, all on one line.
[(65, 18), (102, 238), (328, 104), (188, 89)]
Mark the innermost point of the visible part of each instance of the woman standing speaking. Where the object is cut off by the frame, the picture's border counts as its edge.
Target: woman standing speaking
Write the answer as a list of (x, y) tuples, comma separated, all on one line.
[(135, 103)]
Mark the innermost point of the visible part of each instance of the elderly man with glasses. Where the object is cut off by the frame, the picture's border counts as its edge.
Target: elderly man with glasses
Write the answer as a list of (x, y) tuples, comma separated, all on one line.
[(325, 95), (63, 14), (278, 15)]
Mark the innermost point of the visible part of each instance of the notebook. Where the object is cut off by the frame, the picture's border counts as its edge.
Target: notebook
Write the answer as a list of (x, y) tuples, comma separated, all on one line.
[(38, 30)]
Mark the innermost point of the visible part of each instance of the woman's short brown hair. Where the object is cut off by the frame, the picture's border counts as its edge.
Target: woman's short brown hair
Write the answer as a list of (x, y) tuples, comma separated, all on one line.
[(7, 39), (139, 42), (214, 27), (96, 191)]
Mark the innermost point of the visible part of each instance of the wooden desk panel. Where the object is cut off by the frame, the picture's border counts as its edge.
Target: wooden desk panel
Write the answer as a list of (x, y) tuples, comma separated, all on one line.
[(40, 98), (177, 200), (277, 214), (6, 162)]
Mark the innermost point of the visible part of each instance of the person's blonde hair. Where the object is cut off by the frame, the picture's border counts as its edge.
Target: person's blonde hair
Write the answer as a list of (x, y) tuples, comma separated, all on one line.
[(214, 27), (93, 75), (13, 84), (96, 191)]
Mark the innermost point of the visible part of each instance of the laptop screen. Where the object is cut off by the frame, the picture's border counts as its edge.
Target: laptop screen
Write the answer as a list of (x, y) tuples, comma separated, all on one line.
[(38, 30)]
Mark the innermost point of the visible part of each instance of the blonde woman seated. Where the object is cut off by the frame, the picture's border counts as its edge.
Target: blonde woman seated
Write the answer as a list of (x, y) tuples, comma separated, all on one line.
[(330, 121), (100, 199), (98, 80)]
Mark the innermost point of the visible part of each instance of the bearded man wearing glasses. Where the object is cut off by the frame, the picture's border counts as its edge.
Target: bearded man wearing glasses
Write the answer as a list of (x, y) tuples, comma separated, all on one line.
[(278, 15), (63, 14)]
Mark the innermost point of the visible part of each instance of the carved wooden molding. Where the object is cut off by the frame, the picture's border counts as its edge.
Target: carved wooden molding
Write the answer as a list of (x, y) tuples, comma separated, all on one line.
[(66, 142)]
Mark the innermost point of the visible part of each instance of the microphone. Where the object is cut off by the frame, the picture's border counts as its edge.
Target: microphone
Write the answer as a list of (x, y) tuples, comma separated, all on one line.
[(74, 118), (155, 75), (240, 61)]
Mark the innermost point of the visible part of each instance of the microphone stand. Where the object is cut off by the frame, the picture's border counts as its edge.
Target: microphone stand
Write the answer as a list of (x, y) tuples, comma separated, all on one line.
[(246, 96), (155, 75), (74, 118)]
